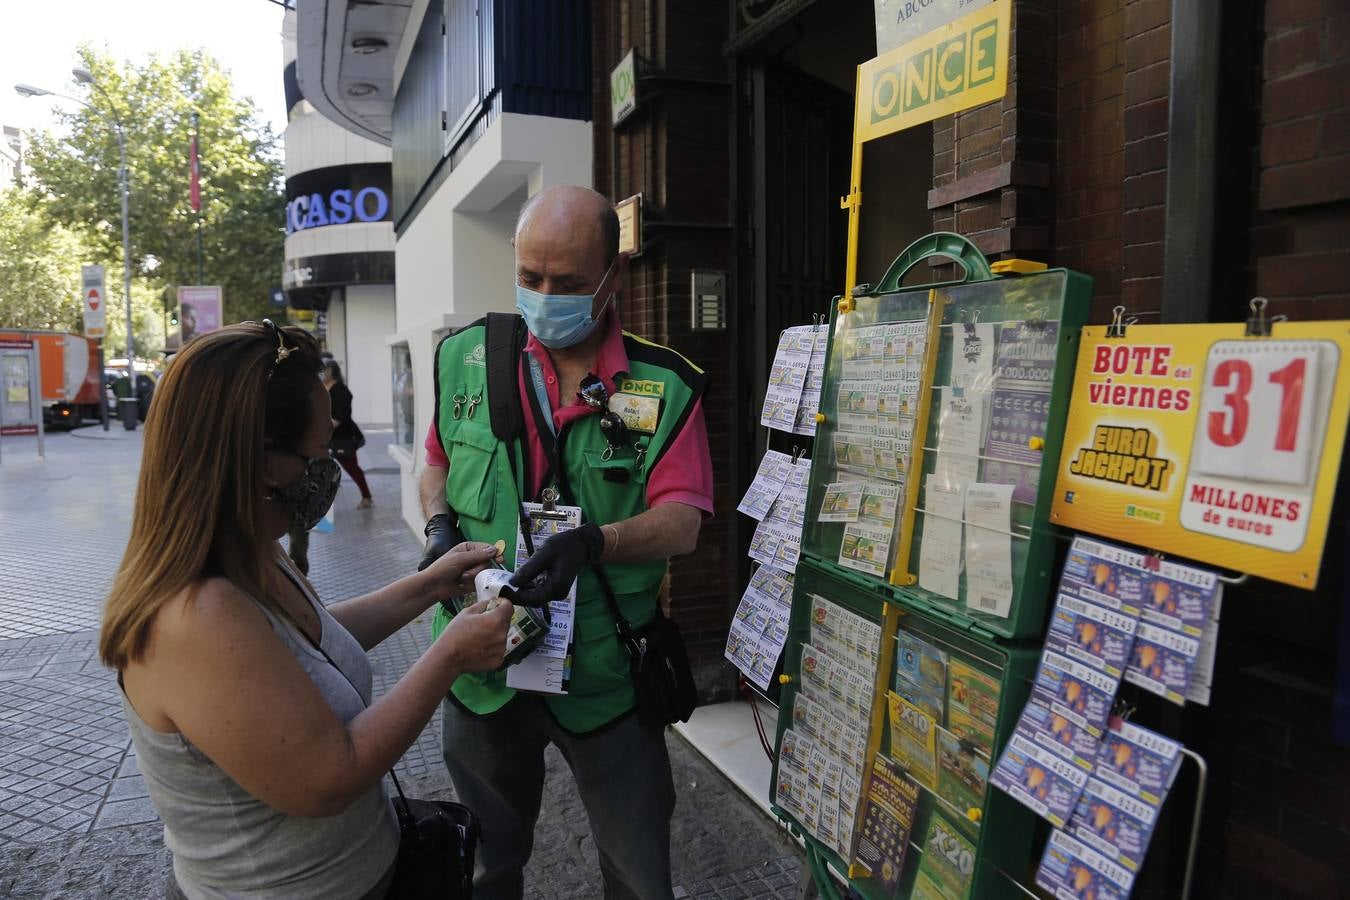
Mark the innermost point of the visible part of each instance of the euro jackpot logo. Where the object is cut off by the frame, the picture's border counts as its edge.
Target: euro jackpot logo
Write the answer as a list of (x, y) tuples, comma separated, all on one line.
[(956, 66), (1207, 444)]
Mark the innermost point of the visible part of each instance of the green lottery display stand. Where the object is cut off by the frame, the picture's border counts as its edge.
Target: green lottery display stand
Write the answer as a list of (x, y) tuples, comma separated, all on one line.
[(925, 655)]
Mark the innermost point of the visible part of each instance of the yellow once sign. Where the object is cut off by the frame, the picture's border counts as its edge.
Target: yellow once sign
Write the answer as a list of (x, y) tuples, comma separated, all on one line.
[(960, 65)]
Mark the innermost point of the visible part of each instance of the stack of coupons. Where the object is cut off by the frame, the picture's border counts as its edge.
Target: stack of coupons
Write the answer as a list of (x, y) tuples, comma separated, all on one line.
[(777, 499), (820, 759), (815, 378), (788, 376), (1174, 649), (1049, 758), (759, 628), (777, 541), (1104, 843), (868, 510)]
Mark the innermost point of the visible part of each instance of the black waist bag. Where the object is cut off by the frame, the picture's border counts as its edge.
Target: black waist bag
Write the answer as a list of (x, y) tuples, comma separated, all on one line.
[(436, 846), (661, 675)]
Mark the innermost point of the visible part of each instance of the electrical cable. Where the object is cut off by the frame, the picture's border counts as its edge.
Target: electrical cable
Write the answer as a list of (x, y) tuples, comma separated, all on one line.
[(749, 695)]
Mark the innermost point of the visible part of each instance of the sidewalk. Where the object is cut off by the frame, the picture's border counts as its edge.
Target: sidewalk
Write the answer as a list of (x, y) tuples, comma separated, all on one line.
[(74, 818)]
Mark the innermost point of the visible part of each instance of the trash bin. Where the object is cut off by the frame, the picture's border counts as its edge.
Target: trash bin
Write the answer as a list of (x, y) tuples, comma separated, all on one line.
[(128, 409)]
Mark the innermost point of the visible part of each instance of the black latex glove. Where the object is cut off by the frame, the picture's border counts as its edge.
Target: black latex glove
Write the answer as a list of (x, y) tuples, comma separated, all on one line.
[(549, 574), (441, 536)]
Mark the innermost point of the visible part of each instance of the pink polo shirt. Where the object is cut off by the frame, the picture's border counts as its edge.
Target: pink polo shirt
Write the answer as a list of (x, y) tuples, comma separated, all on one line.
[(683, 474)]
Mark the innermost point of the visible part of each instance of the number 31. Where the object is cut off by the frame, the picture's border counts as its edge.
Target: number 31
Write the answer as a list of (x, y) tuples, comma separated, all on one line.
[(1229, 428)]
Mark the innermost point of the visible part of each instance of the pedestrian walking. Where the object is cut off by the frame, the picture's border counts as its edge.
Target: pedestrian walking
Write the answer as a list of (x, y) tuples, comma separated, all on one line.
[(249, 702), (643, 481), (347, 436)]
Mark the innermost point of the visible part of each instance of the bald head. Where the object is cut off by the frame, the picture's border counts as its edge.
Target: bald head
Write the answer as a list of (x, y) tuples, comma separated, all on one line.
[(569, 209)]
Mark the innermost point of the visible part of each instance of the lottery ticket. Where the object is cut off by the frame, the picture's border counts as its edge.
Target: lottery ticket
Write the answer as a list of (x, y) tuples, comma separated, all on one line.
[(1092, 634), (947, 866), (913, 740), (1105, 574), (768, 482), (1080, 693), (865, 548), (1180, 598), (921, 674), (1137, 761), (1057, 733), (1045, 783), (1113, 823), (963, 773), (841, 502), (1162, 662), (972, 704), (887, 818), (1070, 870)]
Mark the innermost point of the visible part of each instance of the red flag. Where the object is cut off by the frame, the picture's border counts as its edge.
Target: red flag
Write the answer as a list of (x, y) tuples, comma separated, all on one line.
[(195, 188)]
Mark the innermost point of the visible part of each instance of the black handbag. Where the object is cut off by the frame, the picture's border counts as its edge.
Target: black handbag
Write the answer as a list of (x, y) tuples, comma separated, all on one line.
[(437, 840), (662, 679), (436, 846), (347, 441)]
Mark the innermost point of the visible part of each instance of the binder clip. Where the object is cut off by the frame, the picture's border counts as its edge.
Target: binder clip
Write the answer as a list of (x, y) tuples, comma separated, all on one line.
[(796, 453), (1153, 561), (1257, 324), (1119, 323), (861, 290), (549, 500)]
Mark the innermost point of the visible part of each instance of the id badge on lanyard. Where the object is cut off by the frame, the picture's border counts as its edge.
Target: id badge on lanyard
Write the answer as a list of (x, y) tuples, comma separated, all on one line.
[(547, 669)]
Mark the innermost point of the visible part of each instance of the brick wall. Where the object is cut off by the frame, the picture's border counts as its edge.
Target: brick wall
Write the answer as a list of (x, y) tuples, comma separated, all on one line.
[(992, 165), (1281, 805), (676, 151)]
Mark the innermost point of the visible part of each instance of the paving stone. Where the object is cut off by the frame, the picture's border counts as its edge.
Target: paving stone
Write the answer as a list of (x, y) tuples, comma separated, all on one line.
[(126, 812), (74, 818)]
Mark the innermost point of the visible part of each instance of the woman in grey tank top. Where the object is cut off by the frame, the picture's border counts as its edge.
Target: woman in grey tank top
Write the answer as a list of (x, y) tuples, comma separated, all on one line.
[(250, 703)]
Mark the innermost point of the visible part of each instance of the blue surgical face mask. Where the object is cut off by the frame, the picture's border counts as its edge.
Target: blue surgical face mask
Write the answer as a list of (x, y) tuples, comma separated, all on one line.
[(561, 320)]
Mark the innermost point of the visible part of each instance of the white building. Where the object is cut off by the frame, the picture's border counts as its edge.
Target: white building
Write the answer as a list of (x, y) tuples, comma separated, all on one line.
[(482, 106), (11, 156), (339, 252)]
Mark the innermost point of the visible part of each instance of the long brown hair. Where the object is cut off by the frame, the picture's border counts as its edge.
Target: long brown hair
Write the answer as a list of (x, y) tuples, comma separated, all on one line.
[(224, 398)]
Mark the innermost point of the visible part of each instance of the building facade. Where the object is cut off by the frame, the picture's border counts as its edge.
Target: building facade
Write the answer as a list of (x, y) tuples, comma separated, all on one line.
[(11, 156), (480, 104), (339, 249), (1188, 156)]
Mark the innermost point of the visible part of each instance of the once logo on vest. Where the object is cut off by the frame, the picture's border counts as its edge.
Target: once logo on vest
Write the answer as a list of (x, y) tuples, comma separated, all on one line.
[(642, 388), (476, 357)]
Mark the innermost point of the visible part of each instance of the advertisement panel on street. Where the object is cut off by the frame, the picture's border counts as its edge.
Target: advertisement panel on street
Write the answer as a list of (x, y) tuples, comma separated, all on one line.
[(200, 309), (1208, 444)]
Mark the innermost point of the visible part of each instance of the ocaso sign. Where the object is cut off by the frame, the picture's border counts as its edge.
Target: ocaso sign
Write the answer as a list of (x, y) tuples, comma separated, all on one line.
[(337, 195)]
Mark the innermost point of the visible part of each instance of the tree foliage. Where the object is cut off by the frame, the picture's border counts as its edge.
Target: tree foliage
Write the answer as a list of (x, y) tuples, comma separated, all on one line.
[(74, 176)]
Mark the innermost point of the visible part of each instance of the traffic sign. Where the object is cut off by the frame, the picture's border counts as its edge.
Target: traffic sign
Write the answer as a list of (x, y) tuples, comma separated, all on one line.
[(95, 301)]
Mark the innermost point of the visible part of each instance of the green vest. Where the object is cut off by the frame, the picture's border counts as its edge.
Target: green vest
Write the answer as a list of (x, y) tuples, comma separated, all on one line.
[(485, 493)]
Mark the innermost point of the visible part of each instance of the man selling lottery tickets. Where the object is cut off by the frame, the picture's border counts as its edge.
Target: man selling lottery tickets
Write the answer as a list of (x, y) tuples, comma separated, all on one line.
[(611, 433)]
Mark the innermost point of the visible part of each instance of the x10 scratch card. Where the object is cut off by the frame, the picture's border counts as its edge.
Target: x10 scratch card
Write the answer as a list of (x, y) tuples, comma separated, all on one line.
[(1040, 780), (1079, 693)]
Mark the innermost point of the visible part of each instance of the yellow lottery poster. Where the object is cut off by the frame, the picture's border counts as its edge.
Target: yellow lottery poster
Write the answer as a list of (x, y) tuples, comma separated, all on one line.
[(1201, 442)]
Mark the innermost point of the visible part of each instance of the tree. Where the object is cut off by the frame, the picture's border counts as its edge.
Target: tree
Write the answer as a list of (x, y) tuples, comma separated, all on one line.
[(243, 205), (40, 279), (39, 268)]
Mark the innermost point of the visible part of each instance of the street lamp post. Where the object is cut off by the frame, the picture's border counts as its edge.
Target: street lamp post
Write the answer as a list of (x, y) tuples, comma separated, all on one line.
[(83, 76)]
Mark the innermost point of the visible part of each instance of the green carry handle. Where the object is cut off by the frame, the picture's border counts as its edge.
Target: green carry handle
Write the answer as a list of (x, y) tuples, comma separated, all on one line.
[(939, 243)]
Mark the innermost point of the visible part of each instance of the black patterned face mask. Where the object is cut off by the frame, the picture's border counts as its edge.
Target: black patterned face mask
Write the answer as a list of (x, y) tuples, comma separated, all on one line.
[(309, 499)]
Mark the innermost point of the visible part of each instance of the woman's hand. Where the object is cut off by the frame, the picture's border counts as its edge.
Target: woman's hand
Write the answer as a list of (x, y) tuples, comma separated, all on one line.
[(452, 575), (476, 638)]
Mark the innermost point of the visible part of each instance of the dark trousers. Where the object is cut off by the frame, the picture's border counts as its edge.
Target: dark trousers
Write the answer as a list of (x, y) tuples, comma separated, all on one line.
[(623, 775), (353, 468)]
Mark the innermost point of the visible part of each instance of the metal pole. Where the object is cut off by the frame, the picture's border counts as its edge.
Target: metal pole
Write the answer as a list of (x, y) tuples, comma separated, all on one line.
[(102, 388), (126, 259), (196, 161)]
